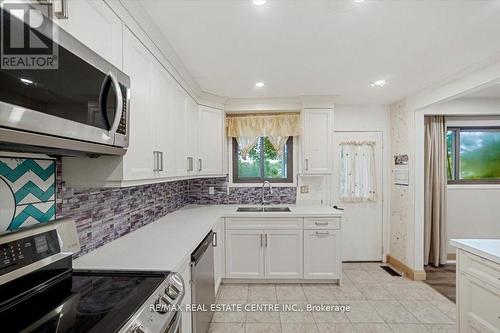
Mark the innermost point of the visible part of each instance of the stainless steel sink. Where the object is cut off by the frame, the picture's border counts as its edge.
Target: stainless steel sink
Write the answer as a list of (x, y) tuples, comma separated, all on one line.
[(277, 209), (250, 209), (263, 209)]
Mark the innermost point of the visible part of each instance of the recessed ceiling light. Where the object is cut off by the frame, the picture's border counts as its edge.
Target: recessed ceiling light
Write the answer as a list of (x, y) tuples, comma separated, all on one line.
[(379, 83), (259, 2), (26, 81), (259, 84)]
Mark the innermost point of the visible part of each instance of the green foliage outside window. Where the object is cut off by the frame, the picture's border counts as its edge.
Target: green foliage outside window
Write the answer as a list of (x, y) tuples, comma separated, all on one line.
[(478, 154), (263, 163)]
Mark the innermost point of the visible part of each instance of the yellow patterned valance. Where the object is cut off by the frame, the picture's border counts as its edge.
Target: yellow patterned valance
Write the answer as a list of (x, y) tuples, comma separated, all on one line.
[(253, 125), (248, 128)]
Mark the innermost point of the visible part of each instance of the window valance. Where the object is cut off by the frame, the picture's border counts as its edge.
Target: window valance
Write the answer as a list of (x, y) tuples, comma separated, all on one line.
[(248, 128)]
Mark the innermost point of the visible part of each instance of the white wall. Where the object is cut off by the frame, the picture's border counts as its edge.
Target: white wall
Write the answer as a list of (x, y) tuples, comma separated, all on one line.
[(354, 117), (473, 212)]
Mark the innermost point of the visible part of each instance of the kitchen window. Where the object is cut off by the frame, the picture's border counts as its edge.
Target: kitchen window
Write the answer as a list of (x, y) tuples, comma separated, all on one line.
[(473, 155), (263, 162)]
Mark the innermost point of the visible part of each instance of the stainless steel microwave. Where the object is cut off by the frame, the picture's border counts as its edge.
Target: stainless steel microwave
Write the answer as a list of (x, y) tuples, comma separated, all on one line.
[(82, 106)]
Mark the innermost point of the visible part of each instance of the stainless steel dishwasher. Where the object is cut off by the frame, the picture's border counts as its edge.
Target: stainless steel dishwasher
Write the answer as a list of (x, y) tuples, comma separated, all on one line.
[(203, 284)]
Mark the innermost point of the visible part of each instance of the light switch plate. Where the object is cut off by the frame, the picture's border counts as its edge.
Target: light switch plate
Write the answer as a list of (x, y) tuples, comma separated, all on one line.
[(211, 190), (304, 189)]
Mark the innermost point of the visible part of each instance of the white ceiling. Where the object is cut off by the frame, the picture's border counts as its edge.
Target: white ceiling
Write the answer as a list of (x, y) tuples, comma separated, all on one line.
[(490, 92), (327, 47)]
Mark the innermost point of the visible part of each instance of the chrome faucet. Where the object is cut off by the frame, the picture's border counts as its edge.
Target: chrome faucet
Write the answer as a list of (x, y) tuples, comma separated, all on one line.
[(270, 190)]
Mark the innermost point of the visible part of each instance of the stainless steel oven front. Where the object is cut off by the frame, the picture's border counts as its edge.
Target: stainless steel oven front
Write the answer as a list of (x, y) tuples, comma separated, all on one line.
[(85, 99), (161, 312)]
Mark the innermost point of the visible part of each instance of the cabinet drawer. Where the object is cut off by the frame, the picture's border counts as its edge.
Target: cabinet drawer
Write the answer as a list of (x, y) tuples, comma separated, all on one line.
[(322, 223), (480, 268), (264, 223)]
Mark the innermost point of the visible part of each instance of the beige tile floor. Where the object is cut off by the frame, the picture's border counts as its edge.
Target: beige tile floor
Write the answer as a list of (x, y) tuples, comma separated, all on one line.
[(379, 302)]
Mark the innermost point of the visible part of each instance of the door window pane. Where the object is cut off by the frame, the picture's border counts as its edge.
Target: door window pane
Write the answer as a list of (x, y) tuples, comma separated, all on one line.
[(480, 154)]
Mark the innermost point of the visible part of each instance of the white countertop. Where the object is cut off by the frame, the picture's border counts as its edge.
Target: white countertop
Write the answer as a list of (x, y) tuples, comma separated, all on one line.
[(168, 242), (485, 248)]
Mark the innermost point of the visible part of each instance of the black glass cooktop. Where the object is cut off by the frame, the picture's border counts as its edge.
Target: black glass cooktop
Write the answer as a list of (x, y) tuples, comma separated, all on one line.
[(81, 302)]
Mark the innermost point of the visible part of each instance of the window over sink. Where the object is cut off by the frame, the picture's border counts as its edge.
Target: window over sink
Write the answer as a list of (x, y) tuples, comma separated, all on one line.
[(263, 162)]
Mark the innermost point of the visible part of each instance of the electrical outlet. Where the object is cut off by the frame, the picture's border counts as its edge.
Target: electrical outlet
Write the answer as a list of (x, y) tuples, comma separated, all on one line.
[(211, 190), (304, 189)]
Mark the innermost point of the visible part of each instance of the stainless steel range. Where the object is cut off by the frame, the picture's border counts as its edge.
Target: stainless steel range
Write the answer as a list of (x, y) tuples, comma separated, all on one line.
[(40, 292)]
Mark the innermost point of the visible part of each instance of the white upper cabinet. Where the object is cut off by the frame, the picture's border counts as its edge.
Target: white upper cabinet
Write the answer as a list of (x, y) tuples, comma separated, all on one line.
[(140, 65), (170, 134), (316, 141), (210, 141), (191, 151), (94, 24), (165, 102)]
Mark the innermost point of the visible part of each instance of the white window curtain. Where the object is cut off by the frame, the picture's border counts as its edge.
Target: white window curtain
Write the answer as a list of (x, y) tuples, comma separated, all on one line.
[(357, 172), (248, 128)]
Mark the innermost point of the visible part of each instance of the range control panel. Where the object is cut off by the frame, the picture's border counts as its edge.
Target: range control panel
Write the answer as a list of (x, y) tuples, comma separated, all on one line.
[(25, 251)]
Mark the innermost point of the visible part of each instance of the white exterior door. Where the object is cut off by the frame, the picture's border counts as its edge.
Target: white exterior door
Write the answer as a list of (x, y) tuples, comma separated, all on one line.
[(362, 223), (321, 254), (244, 254), (284, 254)]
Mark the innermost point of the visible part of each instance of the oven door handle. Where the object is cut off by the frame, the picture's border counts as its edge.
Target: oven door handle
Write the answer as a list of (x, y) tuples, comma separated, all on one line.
[(119, 104), (109, 81), (176, 326)]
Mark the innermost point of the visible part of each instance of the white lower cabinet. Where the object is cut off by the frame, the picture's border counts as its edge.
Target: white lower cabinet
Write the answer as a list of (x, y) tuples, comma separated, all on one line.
[(219, 271), (244, 254), (185, 272), (322, 254), (478, 294), (284, 252), (280, 249)]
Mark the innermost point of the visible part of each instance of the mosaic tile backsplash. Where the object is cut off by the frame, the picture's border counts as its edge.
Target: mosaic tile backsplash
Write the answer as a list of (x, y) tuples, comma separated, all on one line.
[(198, 193), (104, 214), (27, 192)]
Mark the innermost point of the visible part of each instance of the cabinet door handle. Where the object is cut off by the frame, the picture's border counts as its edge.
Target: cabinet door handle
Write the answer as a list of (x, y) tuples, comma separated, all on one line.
[(155, 161), (61, 10), (160, 156), (266, 239), (190, 164), (324, 233), (320, 223), (214, 240), (200, 164), (261, 236), (307, 164)]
